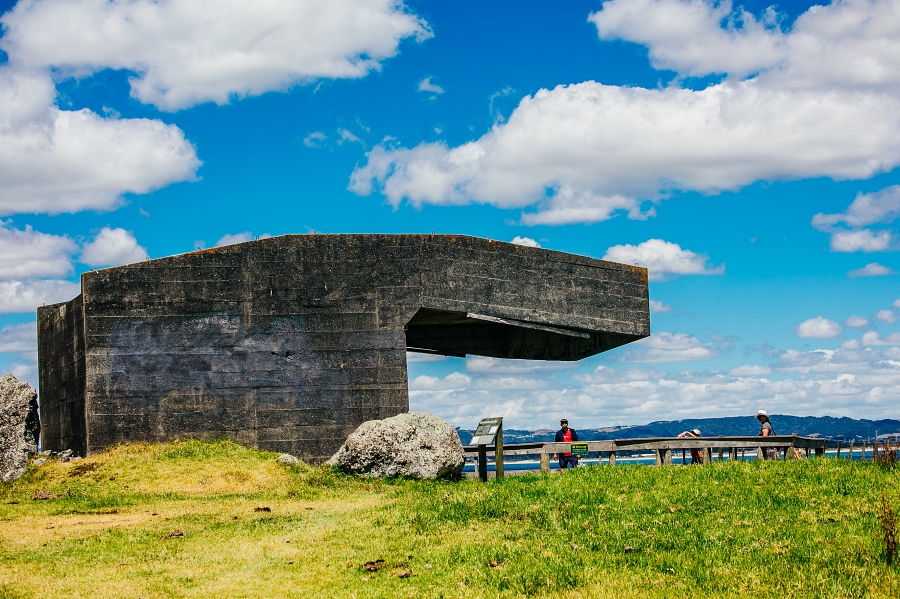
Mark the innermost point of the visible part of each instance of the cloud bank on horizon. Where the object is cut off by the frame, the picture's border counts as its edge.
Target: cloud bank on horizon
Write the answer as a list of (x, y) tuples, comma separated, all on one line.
[(856, 381), (819, 100)]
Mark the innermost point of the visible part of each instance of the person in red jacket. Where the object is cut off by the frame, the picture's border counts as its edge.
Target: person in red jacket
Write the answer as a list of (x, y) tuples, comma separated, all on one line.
[(566, 435)]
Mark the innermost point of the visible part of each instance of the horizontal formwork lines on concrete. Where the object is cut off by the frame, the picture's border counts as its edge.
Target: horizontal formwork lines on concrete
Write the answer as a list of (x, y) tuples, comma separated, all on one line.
[(122, 383)]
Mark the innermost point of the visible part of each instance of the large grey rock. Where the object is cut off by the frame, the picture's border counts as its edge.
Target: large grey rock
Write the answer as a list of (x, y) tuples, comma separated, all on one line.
[(416, 444), (20, 428)]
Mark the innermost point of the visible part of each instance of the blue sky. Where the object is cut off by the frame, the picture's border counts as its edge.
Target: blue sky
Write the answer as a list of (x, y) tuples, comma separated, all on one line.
[(699, 140)]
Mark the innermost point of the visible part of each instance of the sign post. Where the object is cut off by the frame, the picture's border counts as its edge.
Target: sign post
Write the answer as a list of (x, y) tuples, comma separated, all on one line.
[(489, 429)]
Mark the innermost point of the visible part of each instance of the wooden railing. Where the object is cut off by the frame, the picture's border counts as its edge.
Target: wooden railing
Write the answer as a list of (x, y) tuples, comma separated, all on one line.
[(661, 446)]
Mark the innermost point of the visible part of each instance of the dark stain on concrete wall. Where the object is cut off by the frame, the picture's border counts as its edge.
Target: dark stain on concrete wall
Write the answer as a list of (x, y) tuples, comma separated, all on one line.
[(289, 343)]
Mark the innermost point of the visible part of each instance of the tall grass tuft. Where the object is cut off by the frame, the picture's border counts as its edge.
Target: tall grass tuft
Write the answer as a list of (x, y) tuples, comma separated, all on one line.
[(888, 456), (888, 528)]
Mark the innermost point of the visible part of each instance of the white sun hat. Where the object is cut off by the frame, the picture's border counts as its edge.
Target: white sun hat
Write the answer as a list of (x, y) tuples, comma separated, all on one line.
[(762, 413), (696, 431)]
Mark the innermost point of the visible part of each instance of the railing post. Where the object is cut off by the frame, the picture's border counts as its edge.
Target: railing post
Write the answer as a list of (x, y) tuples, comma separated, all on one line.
[(658, 457), (498, 452), (851, 451), (612, 458), (667, 456), (545, 462), (707, 455), (732, 454), (838, 454), (721, 453)]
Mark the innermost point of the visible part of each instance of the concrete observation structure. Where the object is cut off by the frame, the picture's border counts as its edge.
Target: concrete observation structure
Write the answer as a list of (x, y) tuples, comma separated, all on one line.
[(289, 343)]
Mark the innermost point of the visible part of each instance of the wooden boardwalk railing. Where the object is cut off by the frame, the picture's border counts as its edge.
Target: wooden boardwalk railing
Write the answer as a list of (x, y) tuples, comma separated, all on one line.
[(662, 446)]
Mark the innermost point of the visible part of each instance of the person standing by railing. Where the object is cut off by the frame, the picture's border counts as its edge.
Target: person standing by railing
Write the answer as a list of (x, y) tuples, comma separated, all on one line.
[(566, 435), (766, 430), (696, 453)]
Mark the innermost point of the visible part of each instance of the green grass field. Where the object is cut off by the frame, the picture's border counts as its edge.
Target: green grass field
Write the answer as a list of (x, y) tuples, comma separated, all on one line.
[(213, 519)]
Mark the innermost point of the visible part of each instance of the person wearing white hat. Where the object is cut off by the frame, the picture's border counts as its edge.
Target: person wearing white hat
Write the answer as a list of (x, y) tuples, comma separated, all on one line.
[(696, 453), (766, 430)]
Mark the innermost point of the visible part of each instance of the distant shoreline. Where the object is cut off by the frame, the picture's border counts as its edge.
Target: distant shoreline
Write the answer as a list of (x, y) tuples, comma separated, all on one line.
[(828, 427)]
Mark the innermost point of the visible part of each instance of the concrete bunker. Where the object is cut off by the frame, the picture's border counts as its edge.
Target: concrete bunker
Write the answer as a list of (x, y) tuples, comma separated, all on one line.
[(289, 343)]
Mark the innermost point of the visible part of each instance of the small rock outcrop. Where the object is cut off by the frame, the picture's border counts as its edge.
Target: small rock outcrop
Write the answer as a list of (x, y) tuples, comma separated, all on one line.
[(415, 445), (20, 427), (288, 459)]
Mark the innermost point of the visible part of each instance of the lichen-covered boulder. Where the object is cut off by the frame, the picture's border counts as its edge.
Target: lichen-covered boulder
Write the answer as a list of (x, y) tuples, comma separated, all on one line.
[(415, 445), (20, 428)]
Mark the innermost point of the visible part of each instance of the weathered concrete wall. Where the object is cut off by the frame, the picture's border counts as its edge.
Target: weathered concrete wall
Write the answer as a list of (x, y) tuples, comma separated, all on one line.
[(61, 376), (290, 343)]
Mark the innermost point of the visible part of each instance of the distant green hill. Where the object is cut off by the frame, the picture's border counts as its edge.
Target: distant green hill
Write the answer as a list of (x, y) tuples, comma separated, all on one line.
[(808, 426)]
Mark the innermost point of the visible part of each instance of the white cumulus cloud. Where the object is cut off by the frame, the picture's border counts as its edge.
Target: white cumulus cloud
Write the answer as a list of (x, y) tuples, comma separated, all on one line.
[(873, 269), (750, 370), (231, 239), (314, 139), (27, 254), (27, 295), (867, 209), (885, 317), (525, 241), (112, 247), (819, 328), (54, 160), (185, 52), (857, 322), (663, 259), (587, 151), (19, 339), (852, 43), (454, 380), (425, 85), (872, 338), (482, 365), (847, 229), (658, 307), (673, 347), (863, 240)]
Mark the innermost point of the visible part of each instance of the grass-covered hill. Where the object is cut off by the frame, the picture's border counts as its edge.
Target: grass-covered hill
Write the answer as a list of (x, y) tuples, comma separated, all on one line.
[(213, 519), (828, 427)]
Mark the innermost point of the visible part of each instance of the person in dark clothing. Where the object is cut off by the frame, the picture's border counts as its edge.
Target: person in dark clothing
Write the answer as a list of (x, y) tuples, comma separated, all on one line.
[(566, 435), (766, 430)]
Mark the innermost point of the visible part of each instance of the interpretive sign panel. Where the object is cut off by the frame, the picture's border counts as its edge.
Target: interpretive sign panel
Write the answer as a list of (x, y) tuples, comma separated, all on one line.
[(486, 431), (579, 449)]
